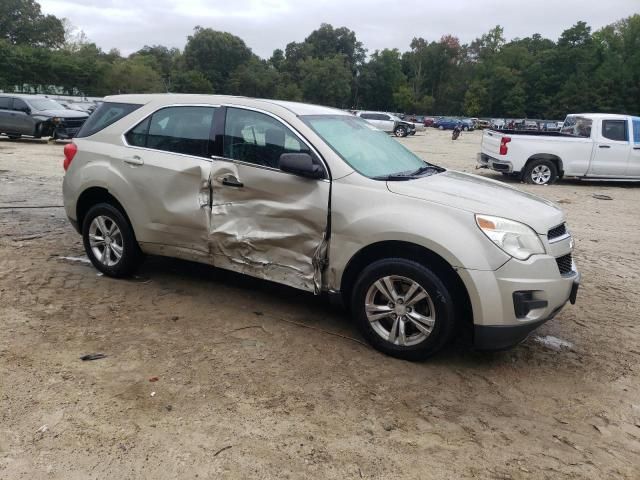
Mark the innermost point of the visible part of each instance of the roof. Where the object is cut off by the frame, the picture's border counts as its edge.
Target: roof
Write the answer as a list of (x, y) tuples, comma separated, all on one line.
[(23, 95), (297, 108), (613, 116)]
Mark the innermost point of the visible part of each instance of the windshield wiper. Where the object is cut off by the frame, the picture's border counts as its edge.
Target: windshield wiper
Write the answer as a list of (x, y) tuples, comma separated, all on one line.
[(410, 174)]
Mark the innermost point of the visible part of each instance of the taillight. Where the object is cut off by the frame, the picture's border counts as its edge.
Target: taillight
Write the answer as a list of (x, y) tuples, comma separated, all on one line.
[(70, 150), (503, 145)]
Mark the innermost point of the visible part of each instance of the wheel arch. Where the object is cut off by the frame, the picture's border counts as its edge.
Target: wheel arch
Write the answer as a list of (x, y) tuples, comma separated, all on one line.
[(408, 251), (555, 159), (94, 195)]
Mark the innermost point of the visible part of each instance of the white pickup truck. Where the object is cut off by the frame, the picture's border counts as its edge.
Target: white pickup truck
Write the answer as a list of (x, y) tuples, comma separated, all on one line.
[(591, 145)]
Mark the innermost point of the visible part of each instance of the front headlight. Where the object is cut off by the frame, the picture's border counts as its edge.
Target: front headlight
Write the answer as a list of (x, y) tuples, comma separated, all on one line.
[(56, 120), (514, 238)]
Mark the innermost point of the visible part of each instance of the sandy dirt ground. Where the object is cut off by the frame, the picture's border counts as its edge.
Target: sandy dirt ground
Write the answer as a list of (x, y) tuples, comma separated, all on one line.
[(260, 381)]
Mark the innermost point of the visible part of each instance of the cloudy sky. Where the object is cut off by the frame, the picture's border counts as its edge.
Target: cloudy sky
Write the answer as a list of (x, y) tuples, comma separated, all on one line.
[(269, 24)]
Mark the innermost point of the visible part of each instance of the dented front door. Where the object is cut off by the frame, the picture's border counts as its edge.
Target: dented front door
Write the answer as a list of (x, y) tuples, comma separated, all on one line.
[(268, 224), (264, 222)]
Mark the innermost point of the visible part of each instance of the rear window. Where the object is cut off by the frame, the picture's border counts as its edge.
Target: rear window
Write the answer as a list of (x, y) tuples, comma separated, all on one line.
[(105, 115), (577, 126)]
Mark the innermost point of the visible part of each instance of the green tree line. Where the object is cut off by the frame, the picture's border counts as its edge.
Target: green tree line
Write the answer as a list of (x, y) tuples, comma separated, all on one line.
[(533, 77)]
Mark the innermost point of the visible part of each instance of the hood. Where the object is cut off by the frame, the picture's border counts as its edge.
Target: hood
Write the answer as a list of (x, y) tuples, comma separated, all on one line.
[(63, 113), (476, 194)]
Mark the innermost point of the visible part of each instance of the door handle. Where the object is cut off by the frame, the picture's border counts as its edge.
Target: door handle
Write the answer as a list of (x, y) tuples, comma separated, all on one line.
[(604, 146), (135, 161), (636, 148), (231, 181)]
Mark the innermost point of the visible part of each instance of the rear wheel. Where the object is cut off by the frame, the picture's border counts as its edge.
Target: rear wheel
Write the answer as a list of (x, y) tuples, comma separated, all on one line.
[(403, 309), (109, 241), (541, 172)]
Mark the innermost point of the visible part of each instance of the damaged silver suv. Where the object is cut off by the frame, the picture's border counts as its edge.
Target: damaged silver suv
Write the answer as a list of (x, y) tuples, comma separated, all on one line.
[(318, 199)]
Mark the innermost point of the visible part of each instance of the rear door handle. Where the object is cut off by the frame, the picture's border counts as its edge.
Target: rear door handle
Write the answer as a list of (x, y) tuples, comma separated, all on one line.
[(231, 181), (604, 146), (135, 161)]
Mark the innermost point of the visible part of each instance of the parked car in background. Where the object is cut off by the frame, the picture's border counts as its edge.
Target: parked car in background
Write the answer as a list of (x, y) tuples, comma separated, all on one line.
[(316, 199), (388, 122), (36, 116), (551, 126), (446, 123), (589, 146), (482, 124), (428, 121), (467, 124)]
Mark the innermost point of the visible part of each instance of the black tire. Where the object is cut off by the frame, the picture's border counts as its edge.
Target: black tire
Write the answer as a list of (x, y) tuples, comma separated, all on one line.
[(532, 173), (443, 306), (130, 256), (400, 131)]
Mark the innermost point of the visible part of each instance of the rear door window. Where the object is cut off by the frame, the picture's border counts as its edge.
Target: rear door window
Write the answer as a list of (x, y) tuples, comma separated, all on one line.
[(615, 130), (5, 102), (105, 115), (185, 130)]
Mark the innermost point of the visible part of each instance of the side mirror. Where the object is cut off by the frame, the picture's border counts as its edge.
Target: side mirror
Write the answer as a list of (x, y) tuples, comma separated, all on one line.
[(300, 164)]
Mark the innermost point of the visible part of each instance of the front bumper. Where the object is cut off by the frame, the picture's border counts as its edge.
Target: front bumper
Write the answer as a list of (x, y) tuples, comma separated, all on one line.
[(502, 337), (65, 133), (500, 319), (485, 161)]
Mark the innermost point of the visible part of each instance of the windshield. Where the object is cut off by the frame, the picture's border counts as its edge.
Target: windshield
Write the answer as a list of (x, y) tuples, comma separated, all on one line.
[(45, 104), (366, 149)]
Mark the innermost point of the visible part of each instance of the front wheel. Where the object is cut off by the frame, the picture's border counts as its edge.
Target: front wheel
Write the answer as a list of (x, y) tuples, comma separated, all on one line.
[(403, 309), (109, 241), (541, 172), (400, 132)]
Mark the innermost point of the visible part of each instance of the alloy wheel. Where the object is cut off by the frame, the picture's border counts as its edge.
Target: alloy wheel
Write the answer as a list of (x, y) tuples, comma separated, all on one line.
[(400, 310), (541, 174), (106, 241)]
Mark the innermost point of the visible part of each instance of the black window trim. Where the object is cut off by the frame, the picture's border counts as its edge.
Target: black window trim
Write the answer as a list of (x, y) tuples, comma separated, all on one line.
[(626, 129), (208, 158)]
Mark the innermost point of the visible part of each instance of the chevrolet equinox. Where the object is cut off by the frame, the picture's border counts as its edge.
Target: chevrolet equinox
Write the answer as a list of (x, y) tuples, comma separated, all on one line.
[(319, 200)]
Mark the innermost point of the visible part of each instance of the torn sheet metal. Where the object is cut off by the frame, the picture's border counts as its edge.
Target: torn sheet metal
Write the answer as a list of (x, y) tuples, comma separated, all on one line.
[(273, 227)]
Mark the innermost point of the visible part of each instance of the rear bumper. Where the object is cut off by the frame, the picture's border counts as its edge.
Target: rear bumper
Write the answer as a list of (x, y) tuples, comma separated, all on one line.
[(485, 161)]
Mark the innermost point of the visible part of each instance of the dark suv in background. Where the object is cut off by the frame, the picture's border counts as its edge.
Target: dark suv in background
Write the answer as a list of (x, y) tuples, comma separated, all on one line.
[(36, 116)]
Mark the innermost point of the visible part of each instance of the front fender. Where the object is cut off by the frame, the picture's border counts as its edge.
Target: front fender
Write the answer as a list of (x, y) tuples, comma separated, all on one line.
[(363, 216)]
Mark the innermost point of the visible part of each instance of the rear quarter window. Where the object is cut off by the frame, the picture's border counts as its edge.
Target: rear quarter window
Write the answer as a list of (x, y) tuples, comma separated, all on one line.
[(105, 115)]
